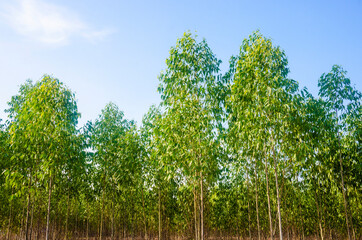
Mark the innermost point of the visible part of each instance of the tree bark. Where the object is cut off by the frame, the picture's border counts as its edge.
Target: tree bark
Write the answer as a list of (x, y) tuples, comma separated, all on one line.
[(22, 230), (87, 220), (132, 230), (247, 185), (28, 208), (301, 219), (268, 194), (67, 217), (32, 207), (10, 212), (47, 236), (256, 200), (159, 215), (249, 219), (102, 212), (277, 188), (319, 217), (113, 218), (31, 221), (201, 208), (144, 214), (102, 209), (76, 218), (195, 215), (342, 178)]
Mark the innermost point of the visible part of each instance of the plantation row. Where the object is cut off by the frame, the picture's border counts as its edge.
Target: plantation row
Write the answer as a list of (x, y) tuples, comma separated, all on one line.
[(244, 154)]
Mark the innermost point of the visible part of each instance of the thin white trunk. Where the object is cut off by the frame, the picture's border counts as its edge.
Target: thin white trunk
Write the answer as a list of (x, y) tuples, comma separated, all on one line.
[(47, 234), (256, 200), (202, 208), (268, 194), (278, 197)]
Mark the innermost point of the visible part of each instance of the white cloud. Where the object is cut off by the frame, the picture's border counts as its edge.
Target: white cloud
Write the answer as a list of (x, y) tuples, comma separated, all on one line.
[(48, 23)]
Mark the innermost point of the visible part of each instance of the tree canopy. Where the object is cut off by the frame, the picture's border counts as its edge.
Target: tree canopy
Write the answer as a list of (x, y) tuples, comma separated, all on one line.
[(243, 153)]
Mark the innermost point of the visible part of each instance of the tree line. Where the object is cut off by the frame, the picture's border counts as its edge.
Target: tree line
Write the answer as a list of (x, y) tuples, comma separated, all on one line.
[(243, 154)]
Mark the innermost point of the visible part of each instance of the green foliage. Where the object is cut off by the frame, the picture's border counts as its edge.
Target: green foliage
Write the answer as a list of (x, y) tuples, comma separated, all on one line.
[(199, 166)]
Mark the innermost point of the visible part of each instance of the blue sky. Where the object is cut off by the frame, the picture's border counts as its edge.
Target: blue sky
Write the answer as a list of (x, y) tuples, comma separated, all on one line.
[(114, 50)]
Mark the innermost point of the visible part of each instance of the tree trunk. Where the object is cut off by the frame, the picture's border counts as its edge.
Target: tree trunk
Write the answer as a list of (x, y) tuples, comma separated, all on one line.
[(278, 198), (37, 230), (76, 218), (322, 210), (268, 194), (102, 208), (124, 224), (28, 208), (144, 214), (249, 219), (132, 220), (301, 219), (195, 215), (22, 223), (47, 236), (67, 218), (344, 193), (247, 195), (102, 212), (318, 213), (31, 221), (256, 200), (342, 178), (159, 215), (113, 218), (201, 208), (87, 220), (10, 212), (32, 208)]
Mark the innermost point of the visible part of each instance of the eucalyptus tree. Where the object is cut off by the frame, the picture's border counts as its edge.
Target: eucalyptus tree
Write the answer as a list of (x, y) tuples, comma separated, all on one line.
[(189, 89), (185, 169), (341, 97), (72, 175), (4, 165), (4, 152), (116, 162), (18, 173), (128, 172), (243, 140), (312, 128), (106, 132), (43, 123), (88, 186), (259, 103), (162, 154), (352, 154), (152, 164)]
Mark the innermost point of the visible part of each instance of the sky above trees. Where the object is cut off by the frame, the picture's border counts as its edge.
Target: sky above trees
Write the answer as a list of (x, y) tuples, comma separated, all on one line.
[(114, 50)]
